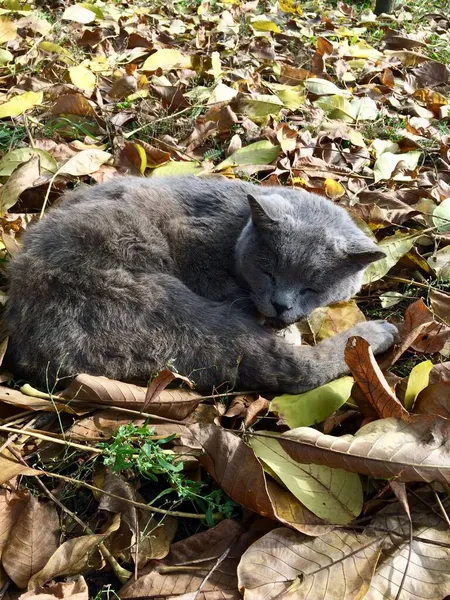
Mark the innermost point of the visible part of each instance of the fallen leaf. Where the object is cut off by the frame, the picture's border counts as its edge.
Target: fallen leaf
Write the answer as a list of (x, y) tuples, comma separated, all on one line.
[(72, 104), (71, 590), (172, 404), (238, 472), (8, 30), (325, 322), (285, 564), (382, 449), (84, 162), (259, 153), (323, 87), (22, 179), (32, 540), (10, 467), (82, 78), (17, 105), (70, 558), (334, 495), (313, 407), (417, 381), (394, 247), (364, 368), (387, 163), (167, 59), (426, 555), (79, 14)]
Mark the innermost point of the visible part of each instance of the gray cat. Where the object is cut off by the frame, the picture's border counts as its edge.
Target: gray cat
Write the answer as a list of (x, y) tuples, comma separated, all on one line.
[(129, 276)]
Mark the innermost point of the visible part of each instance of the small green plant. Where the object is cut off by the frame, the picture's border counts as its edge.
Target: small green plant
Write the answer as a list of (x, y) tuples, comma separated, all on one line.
[(10, 136), (135, 448)]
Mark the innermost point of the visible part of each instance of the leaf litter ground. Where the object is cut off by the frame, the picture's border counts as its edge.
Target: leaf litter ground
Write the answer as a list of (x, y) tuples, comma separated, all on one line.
[(111, 490)]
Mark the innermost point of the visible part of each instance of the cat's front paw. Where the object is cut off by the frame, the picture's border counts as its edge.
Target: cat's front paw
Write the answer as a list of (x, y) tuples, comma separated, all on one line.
[(380, 334)]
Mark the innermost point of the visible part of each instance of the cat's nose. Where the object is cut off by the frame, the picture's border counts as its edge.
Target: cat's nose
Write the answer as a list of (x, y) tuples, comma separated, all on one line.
[(280, 308)]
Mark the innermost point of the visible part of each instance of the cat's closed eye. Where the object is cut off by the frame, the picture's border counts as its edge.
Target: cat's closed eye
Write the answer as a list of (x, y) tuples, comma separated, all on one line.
[(268, 274)]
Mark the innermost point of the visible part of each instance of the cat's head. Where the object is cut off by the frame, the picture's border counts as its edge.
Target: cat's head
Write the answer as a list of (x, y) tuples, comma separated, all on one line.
[(299, 252)]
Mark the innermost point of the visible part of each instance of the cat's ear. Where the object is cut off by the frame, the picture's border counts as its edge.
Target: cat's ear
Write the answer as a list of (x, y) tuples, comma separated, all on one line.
[(363, 252), (260, 211)]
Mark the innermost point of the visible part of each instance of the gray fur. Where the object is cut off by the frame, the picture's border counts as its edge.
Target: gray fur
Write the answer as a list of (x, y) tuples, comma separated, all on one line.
[(126, 277)]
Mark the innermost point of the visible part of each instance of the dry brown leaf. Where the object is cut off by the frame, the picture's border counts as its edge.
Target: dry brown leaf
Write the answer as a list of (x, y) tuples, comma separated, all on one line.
[(199, 553), (440, 303), (122, 87), (172, 404), (73, 104), (364, 368), (428, 566), (71, 558), (285, 564), (417, 318), (71, 590), (11, 505), (383, 449), (144, 537), (239, 473), (16, 398), (434, 400), (10, 467), (104, 423), (155, 156), (33, 539)]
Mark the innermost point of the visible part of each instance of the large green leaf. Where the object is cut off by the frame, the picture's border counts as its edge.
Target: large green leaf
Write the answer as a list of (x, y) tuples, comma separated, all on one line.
[(309, 408), (334, 495), (259, 153), (395, 247)]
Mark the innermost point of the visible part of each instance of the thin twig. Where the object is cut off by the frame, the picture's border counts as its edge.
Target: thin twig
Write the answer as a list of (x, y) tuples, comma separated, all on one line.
[(48, 438), (211, 571), (122, 574), (147, 507)]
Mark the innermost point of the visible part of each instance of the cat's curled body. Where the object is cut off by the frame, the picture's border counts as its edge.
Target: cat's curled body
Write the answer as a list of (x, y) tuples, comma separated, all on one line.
[(126, 277)]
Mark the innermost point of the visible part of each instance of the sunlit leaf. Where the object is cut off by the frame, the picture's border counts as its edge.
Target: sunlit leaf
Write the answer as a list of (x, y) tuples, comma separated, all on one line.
[(166, 59), (332, 494), (441, 215), (323, 87), (20, 104), (266, 26), (259, 153), (82, 78), (8, 30), (79, 14), (310, 408), (176, 168), (395, 247), (386, 164), (85, 162), (417, 381)]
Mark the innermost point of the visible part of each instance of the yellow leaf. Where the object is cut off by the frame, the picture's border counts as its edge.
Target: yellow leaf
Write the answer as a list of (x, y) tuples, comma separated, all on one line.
[(310, 408), (332, 494), (143, 156), (19, 104), (82, 78), (166, 59), (333, 188), (177, 168), (51, 47), (266, 26), (8, 30), (290, 6), (417, 381), (79, 14)]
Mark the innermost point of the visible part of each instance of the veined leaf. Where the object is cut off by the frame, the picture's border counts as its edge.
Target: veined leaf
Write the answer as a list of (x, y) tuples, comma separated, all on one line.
[(395, 247), (20, 104), (166, 59), (259, 153), (310, 408), (329, 493), (417, 381)]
